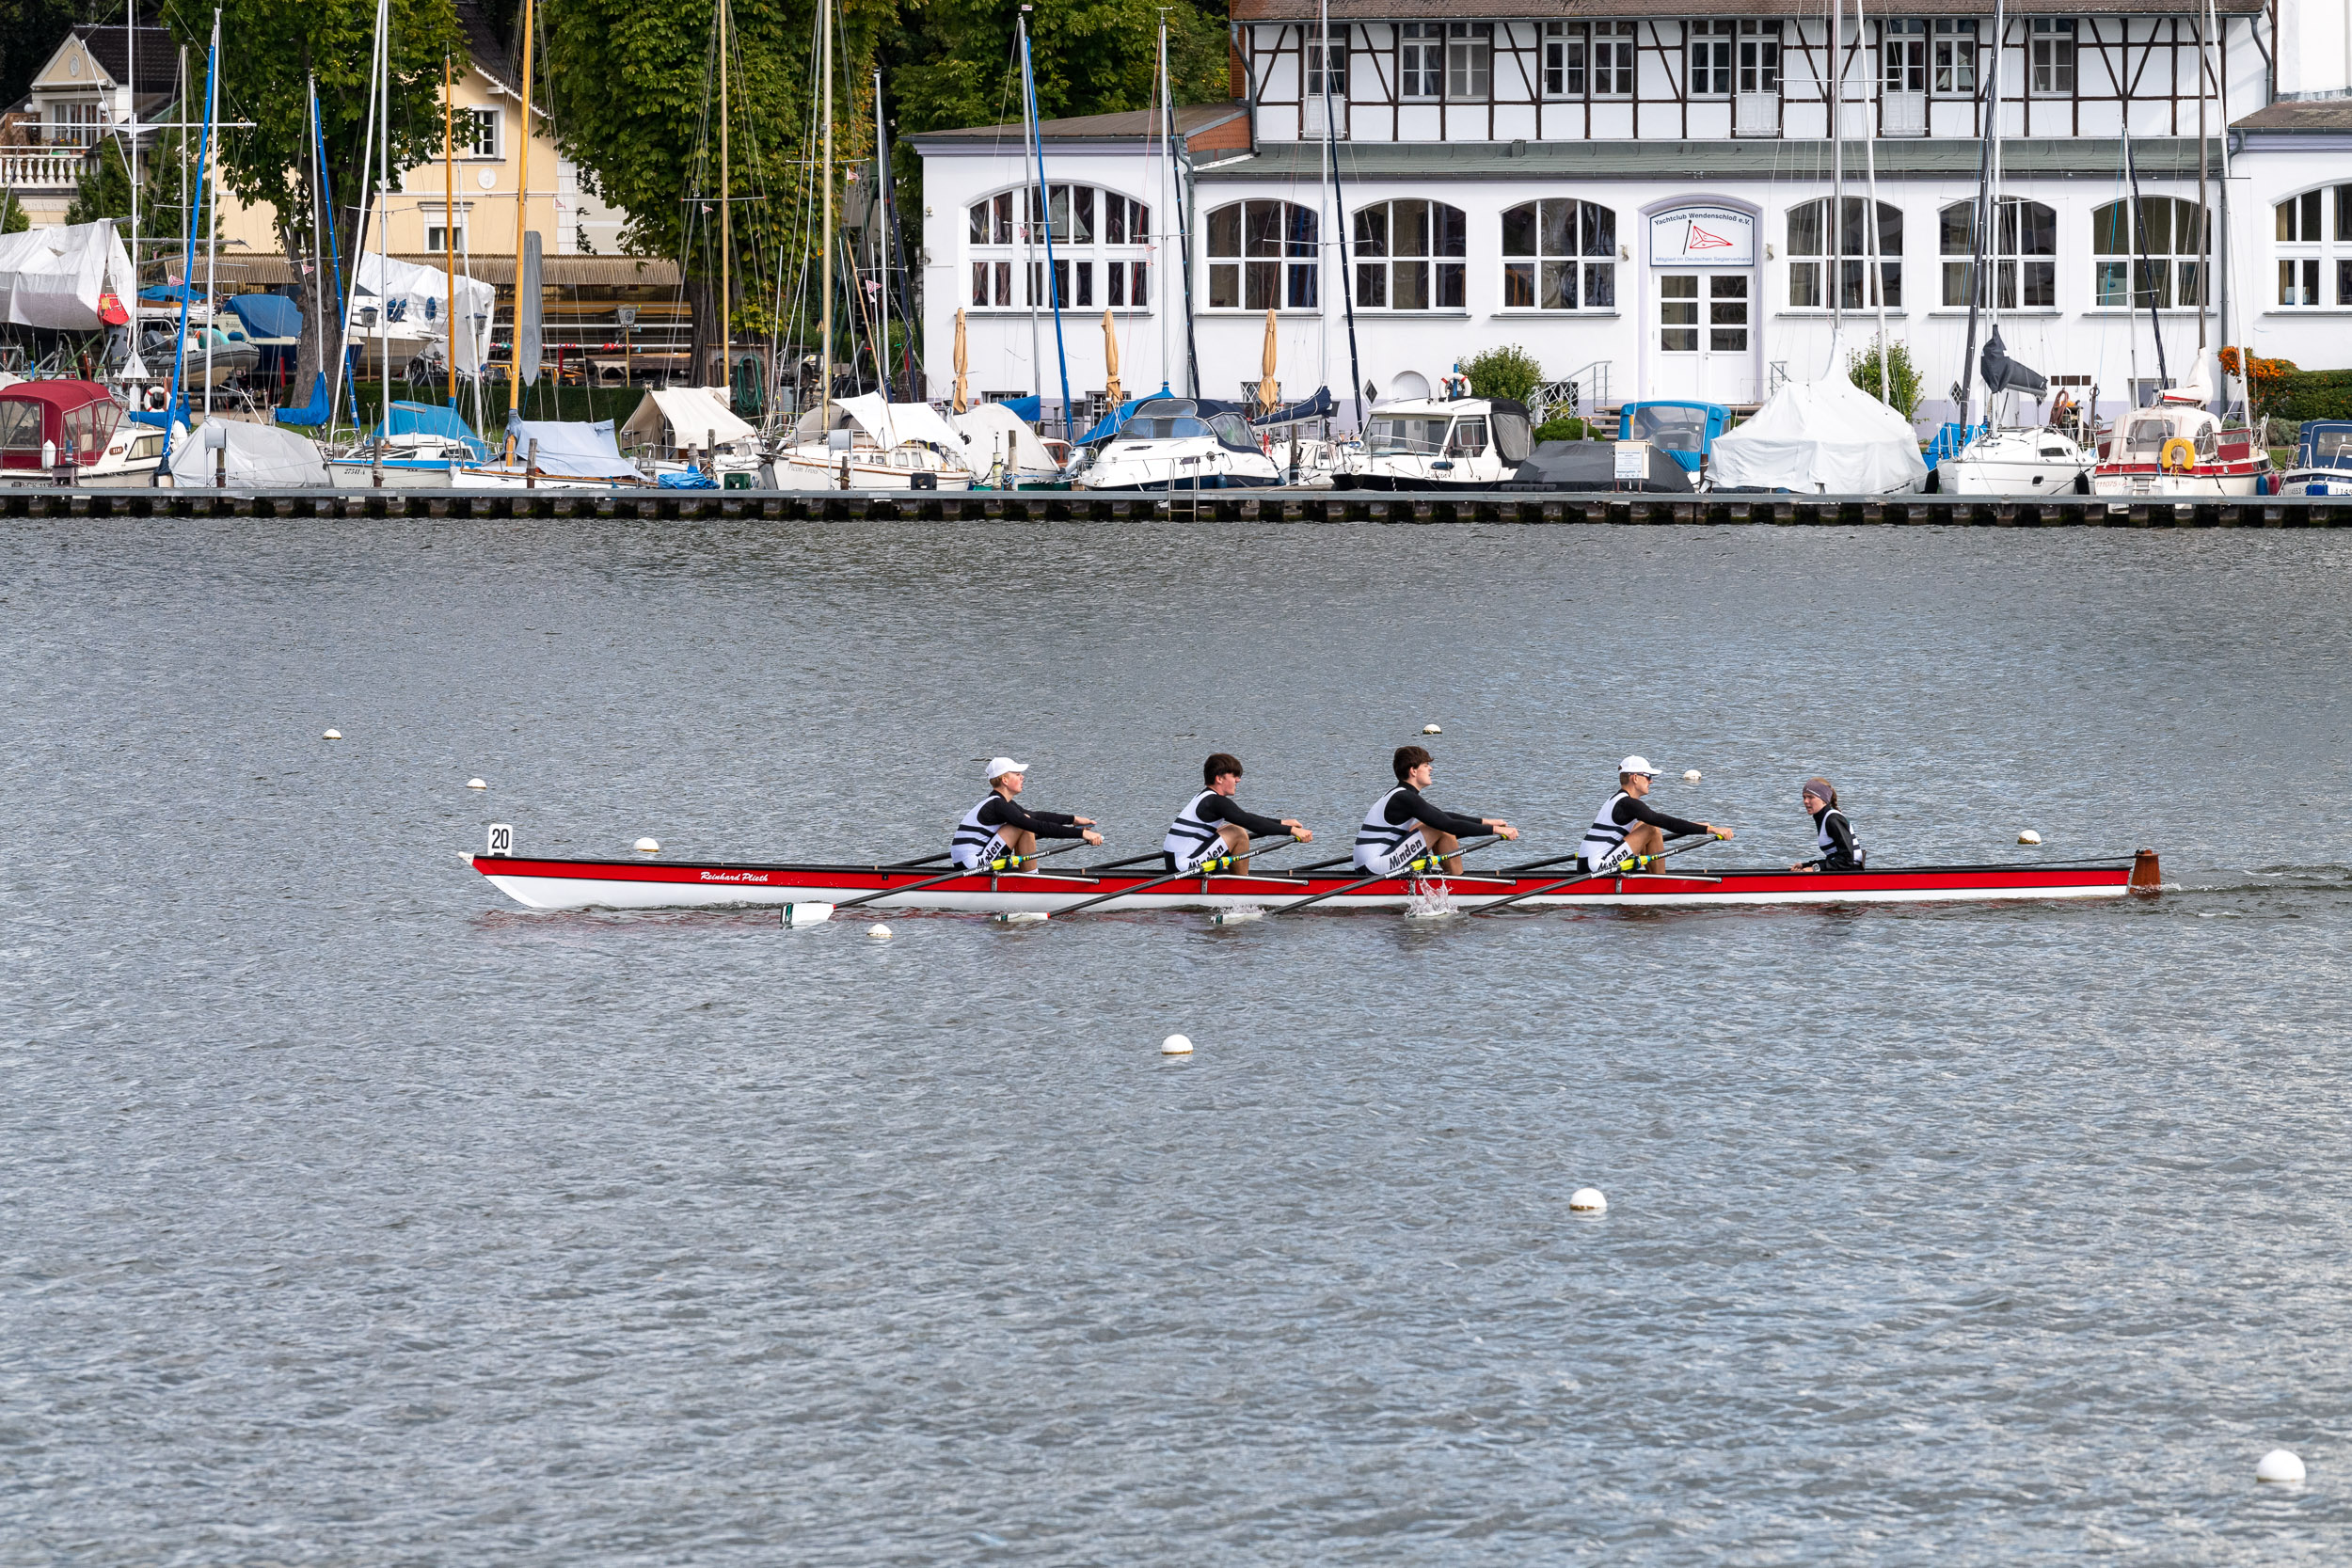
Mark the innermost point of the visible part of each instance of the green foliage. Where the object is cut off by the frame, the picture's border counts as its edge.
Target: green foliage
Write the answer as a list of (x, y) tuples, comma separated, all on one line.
[(1902, 377), (30, 31), (955, 63), (2299, 395), (1564, 427), (1507, 370), (13, 218)]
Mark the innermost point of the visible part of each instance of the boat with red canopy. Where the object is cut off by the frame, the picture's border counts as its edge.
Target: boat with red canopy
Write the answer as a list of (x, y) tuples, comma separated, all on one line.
[(46, 426)]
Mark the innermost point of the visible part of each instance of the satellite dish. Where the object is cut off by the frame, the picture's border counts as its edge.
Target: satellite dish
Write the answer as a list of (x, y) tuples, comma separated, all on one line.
[(1406, 385)]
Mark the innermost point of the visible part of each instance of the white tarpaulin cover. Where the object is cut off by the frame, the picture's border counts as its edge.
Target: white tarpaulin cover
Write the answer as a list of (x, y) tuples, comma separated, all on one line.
[(572, 450), (693, 414), (53, 277), (888, 424), (416, 299), (260, 456), (992, 431), (1819, 437)]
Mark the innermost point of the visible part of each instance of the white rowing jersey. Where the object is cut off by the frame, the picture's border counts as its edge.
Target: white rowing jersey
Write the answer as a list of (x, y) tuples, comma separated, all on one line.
[(1827, 842), (1605, 836), (1383, 845), (1190, 840), (976, 843)]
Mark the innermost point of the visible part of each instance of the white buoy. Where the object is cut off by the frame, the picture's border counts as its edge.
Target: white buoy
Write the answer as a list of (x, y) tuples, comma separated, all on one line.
[(332, 735), (1431, 729), (649, 847), (476, 783), (2279, 1465), (2029, 836), (1690, 776), (1176, 1045), (879, 933), (1587, 1200)]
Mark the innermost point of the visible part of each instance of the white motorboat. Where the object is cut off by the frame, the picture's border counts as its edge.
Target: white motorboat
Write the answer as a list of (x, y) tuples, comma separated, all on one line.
[(865, 443), (2322, 460), (2017, 463), (1437, 444), (48, 428), (1169, 443)]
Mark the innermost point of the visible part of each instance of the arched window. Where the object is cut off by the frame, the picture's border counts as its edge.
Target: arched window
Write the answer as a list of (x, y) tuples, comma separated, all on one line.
[(2022, 273), (1409, 256), (1262, 257), (1813, 252), (2314, 238), (1558, 255), (1102, 252), (2156, 262)]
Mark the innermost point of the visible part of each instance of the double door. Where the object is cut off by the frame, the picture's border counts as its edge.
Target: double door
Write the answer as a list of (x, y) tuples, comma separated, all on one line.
[(1703, 327)]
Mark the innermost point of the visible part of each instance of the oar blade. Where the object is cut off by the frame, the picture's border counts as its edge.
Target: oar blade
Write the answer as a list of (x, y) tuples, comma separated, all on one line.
[(800, 916)]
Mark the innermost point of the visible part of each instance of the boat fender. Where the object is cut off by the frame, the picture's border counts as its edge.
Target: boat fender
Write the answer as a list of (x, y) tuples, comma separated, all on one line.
[(2188, 455)]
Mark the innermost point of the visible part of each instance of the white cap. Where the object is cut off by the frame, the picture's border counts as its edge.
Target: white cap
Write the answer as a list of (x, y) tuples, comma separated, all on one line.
[(1637, 764), (999, 767)]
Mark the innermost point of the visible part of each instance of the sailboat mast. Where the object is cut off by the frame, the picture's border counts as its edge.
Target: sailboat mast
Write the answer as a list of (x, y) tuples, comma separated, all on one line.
[(726, 219), (1870, 263), (522, 220), (881, 240), (1181, 163), (824, 198), (1982, 230), (1838, 185), (449, 217), (209, 174), (1045, 214), (384, 208)]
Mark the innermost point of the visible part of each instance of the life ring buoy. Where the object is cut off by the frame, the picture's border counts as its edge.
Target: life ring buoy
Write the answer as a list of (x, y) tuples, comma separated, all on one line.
[(157, 400), (2188, 455)]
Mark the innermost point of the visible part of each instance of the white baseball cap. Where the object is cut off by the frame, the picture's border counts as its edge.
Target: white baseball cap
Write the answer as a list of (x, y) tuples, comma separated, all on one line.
[(1637, 764), (999, 767)]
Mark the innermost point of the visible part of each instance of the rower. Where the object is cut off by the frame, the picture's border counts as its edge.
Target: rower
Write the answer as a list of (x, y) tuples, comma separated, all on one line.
[(1834, 836), (1402, 828), (1213, 824), (999, 828), (1626, 826)]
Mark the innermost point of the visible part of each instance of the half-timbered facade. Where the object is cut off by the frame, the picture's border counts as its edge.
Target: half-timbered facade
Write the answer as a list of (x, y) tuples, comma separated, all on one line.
[(1647, 196)]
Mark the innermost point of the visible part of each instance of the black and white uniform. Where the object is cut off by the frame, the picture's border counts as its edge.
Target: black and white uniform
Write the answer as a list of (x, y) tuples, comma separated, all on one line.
[(1833, 836), (1193, 836), (1605, 838), (1388, 841), (976, 841)]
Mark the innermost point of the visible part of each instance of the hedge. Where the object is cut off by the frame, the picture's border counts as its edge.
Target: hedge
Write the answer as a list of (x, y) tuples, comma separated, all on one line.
[(2311, 395)]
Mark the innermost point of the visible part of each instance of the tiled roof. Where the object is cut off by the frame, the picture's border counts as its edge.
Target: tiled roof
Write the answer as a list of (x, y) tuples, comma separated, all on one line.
[(2325, 114), (158, 61), (483, 44)]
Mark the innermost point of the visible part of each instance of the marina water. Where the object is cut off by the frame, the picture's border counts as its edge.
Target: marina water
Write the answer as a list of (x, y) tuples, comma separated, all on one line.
[(356, 1214)]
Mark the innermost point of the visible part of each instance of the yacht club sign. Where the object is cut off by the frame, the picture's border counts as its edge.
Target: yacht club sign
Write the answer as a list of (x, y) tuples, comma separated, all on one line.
[(1702, 237)]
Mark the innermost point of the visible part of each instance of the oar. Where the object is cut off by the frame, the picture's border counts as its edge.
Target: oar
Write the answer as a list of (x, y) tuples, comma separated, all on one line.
[(1266, 849), (797, 915), (1367, 881), (1609, 869)]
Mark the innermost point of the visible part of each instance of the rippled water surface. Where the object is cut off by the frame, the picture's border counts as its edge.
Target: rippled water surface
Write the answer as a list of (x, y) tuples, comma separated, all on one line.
[(349, 1213)]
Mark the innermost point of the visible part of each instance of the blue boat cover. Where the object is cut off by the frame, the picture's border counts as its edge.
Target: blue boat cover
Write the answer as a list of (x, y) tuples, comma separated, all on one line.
[(691, 478), (420, 419), (1111, 423), (312, 413), (1951, 439), (1316, 407), (268, 315), (1027, 410), (159, 293)]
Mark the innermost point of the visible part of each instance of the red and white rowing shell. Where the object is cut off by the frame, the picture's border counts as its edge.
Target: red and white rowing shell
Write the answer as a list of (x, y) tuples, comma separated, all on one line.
[(645, 884)]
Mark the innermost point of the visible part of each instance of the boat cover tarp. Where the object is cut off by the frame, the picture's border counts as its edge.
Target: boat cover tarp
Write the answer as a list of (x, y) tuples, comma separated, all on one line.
[(573, 449), (1316, 407), (691, 414), (1031, 408), (260, 456), (1819, 437), (425, 418), (268, 316), (1590, 466), (992, 431), (173, 294), (887, 424), (415, 299), (51, 276), (1113, 422)]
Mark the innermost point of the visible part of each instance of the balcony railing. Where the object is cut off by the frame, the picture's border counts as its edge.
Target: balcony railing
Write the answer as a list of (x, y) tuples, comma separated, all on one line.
[(1756, 114), (37, 172)]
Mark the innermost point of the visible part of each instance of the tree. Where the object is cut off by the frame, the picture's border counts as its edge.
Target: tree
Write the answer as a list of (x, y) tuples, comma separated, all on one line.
[(269, 51), (13, 218), (1902, 377), (1506, 372), (30, 31)]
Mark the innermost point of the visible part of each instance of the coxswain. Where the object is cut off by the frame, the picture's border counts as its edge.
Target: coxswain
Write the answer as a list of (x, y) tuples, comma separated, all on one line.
[(1627, 828), (1214, 826), (1831, 833), (1001, 827), (1402, 828)]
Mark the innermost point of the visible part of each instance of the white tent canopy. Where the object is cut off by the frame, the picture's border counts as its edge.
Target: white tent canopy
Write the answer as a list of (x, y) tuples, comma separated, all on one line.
[(990, 431), (51, 276), (416, 299), (1819, 437), (260, 456), (685, 417), (888, 424)]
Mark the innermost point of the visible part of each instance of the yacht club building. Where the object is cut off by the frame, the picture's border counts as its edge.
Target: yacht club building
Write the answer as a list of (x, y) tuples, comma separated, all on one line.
[(1638, 192)]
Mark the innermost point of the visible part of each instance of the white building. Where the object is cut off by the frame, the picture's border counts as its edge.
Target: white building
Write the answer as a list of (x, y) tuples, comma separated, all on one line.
[(1637, 191)]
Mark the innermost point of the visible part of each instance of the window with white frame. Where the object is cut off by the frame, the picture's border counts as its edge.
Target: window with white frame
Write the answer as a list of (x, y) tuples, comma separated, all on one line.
[(1709, 45), (1327, 55), (1613, 60), (2050, 59), (1903, 54), (2021, 271), (477, 133), (74, 123), (1817, 256), (1263, 256), (1421, 59), (438, 236), (1759, 57), (1469, 50), (1410, 255), (2158, 260), (1101, 241), (2313, 232), (1955, 56), (1559, 254), (1565, 50), (1588, 60)]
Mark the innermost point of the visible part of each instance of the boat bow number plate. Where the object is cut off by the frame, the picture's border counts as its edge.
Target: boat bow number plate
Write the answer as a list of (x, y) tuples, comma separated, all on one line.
[(502, 838)]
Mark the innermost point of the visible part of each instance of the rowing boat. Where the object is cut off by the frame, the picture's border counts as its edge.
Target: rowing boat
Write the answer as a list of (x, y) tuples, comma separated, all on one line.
[(650, 885)]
